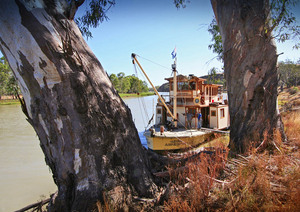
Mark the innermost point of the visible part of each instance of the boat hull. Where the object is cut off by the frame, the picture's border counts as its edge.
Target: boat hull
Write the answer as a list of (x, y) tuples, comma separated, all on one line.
[(173, 141)]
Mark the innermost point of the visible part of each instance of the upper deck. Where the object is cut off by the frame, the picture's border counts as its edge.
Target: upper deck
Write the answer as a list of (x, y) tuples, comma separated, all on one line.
[(193, 90)]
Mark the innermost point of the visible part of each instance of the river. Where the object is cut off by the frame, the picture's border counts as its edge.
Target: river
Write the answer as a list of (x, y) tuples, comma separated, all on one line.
[(24, 176)]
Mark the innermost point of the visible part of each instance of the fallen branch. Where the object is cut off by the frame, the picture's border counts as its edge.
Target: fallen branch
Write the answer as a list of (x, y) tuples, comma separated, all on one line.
[(170, 173), (35, 205)]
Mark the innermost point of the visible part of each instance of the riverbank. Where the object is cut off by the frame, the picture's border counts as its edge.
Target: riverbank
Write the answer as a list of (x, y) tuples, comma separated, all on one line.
[(9, 102), (122, 95), (136, 94)]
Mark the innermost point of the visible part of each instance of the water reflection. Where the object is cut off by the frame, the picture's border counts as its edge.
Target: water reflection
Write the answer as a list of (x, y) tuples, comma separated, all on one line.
[(24, 176), (142, 109)]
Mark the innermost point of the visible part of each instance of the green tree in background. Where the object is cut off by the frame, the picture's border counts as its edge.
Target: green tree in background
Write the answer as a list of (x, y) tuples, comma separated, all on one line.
[(128, 84), (115, 81), (289, 73), (216, 77), (8, 83)]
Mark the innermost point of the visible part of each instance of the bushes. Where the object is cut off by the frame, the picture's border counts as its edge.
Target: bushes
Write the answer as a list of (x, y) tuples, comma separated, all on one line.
[(293, 90)]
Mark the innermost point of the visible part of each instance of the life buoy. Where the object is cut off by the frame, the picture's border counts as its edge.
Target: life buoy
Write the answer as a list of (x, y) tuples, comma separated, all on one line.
[(202, 100), (197, 100)]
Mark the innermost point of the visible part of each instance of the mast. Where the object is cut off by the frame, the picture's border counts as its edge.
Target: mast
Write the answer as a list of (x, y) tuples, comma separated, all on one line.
[(174, 92), (161, 99)]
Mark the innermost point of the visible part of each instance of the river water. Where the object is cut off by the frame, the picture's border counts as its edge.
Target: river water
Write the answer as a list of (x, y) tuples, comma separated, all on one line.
[(24, 176)]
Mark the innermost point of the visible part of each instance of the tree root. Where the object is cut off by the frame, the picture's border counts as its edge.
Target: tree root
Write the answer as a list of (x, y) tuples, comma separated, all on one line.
[(35, 206)]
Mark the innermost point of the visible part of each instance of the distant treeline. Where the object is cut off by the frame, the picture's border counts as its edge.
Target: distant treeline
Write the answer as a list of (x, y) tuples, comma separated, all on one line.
[(289, 73), (128, 84)]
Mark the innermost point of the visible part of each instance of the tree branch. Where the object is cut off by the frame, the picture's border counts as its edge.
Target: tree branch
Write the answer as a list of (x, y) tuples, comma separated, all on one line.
[(73, 8), (283, 9)]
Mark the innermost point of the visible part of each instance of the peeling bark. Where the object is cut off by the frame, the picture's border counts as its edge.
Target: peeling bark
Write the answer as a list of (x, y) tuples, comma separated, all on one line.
[(250, 62), (86, 131)]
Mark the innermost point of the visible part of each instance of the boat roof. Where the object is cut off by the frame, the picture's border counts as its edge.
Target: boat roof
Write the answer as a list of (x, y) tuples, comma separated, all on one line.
[(183, 78)]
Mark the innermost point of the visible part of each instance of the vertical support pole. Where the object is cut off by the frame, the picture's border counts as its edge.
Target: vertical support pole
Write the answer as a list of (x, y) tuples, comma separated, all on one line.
[(175, 92)]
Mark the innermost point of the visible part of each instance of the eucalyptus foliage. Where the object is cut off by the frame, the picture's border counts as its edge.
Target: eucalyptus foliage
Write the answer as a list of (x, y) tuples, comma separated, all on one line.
[(95, 14), (128, 84)]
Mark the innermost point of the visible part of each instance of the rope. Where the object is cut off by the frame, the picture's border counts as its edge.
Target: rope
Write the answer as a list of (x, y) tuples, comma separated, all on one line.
[(154, 62), (142, 104), (145, 80), (141, 112)]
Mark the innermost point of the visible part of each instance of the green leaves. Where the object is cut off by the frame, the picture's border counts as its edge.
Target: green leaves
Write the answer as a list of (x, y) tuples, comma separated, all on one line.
[(128, 84), (8, 84), (289, 73), (283, 22), (94, 15), (216, 46), (181, 3)]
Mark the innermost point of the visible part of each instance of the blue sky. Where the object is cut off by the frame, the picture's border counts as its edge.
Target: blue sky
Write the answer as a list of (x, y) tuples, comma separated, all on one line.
[(152, 29)]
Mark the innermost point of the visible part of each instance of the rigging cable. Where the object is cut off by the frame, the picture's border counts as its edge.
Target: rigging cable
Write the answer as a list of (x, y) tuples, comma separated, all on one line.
[(154, 62), (142, 104), (145, 80)]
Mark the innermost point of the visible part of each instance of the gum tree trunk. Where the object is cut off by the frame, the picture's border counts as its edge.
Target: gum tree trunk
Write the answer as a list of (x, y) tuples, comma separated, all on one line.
[(250, 61), (86, 131)]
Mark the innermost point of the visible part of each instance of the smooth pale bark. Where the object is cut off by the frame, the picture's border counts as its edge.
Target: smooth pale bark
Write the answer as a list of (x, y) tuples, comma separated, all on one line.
[(86, 131), (250, 62)]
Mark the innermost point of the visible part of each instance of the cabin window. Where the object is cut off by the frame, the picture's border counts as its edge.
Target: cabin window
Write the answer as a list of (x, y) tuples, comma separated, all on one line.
[(158, 111), (213, 113), (183, 86), (222, 113), (206, 90), (192, 86)]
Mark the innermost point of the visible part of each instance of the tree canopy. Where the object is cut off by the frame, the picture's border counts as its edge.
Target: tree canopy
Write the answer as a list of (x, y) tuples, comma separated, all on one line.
[(94, 15), (128, 84), (289, 73), (8, 83)]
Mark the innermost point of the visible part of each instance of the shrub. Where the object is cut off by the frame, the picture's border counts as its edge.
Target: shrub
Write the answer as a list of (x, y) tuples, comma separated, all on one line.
[(294, 90)]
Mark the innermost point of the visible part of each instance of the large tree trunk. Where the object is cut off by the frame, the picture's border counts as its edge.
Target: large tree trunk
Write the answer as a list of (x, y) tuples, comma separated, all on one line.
[(250, 62), (86, 131)]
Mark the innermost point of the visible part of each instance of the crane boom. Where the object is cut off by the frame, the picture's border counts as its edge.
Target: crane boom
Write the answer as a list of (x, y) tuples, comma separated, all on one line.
[(134, 60)]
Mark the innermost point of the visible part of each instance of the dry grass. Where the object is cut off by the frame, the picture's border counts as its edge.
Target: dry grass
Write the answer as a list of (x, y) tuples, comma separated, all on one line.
[(259, 182), (190, 190), (292, 126)]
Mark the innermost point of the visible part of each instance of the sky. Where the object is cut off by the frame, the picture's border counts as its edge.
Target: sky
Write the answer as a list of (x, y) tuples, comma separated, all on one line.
[(152, 29)]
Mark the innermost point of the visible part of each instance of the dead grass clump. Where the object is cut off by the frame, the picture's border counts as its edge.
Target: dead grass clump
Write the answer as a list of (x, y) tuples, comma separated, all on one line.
[(260, 182), (291, 122), (190, 190)]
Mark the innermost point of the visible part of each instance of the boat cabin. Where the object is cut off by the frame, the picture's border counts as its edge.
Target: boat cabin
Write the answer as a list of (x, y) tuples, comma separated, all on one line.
[(194, 95)]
